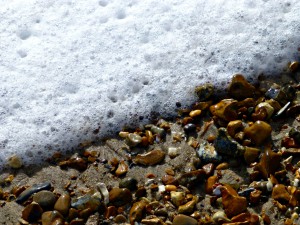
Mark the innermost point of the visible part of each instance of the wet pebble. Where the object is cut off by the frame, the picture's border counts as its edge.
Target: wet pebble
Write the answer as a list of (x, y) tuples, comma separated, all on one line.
[(226, 109), (129, 183), (240, 88), (280, 194), (133, 139), (122, 168), (136, 211), (184, 220), (120, 196), (87, 201), (52, 218), (63, 204), (31, 190), (46, 199), (150, 158), (258, 132), (32, 212), (204, 91), (207, 153)]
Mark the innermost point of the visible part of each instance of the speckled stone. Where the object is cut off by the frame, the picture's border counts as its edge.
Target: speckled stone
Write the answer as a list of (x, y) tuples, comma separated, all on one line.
[(63, 203), (184, 220), (46, 199)]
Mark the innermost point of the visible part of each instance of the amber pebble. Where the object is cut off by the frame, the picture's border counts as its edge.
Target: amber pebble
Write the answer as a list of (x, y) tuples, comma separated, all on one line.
[(258, 132), (170, 187), (122, 168), (251, 154), (170, 171), (150, 158), (234, 127), (188, 207), (184, 220), (119, 196), (77, 163), (52, 218), (255, 196), (63, 203), (77, 221), (85, 213), (32, 212), (195, 113), (168, 179), (226, 109), (266, 218), (153, 221), (177, 198), (222, 166), (280, 194), (233, 203), (210, 183), (137, 210), (294, 66), (208, 168), (288, 221), (140, 192), (243, 217), (269, 163), (240, 88)]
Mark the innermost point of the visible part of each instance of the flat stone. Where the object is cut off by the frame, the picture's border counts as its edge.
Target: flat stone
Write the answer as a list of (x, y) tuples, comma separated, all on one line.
[(184, 220), (150, 158), (31, 190)]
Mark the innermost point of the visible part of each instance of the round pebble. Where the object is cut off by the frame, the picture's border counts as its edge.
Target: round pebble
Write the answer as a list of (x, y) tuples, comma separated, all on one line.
[(46, 199), (63, 203)]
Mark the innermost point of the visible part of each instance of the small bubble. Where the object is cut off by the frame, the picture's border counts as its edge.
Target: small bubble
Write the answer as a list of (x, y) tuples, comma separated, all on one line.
[(22, 53), (24, 34), (103, 3), (121, 14)]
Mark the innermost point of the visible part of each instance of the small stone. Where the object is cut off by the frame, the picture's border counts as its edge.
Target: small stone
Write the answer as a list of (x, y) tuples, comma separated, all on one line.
[(177, 198), (168, 179), (204, 91), (31, 190), (157, 130), (189, 128), (32, 212), (120, 196), (208, 168), (63, 204), (173, 152), (136, 212), (75, 162), (226, 109), (111, 211), (52, 218), (251, 154), (122, 168), (220, 217), (150, 158), (88, 201), (15, 162), (209, 185), (129, 183), (280, 194), (263, 111), (195, 113), (294, 66), (77, 221), (233, 203), (234, 127), (240, 88), (258, 132), (188, 207), (46, 199), (255, 196), (133, 139), (184, 220), (222, 166), (153, 221), (207, 153), (104, 192), (120, 219)]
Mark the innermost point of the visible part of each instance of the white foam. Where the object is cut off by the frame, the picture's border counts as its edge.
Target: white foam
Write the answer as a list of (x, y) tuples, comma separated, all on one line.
[(70, 67)]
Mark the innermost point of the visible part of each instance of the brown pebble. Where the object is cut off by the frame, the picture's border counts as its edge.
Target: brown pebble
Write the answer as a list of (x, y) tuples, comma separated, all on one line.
[(208, 168), (280, 193), (32, 212), (122, 168), (120, 219), (111, 211), (226, 109), (251, 154), (170, 171), (136, 212), (153, 221), (52, 218), (170, 187), (63, 203), (168, 179), (188, 207), (184, 220), (210, 183), (222, 166), (46, 199), (150, 158), (195, 113), (234, 127), (120, 196), (240, 88), (255, 196), (258, 132), (77, 221), (233, 203)]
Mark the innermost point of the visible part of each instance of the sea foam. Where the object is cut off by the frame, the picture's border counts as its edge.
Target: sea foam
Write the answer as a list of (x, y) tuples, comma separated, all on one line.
[(69, 68)]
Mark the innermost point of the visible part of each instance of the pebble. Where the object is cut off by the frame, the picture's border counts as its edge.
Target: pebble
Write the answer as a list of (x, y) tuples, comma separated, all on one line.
[(177, 198), (226, 109), (204, 91), (195, 113), (234, 127), (15, 162), (31, 190), (52, 218), (129, 183), (122, 168), (87, 201), (240, 88), (120, 196), (258, 132), (136, 211), (46, 199), (220, 217), (150, 158), (280, 194), (251, 154), (233, 203), (133, 139), (104, 192), (181, 219), (188, 207), (207, 153), (32, 212), (63, 204), (226, 145)]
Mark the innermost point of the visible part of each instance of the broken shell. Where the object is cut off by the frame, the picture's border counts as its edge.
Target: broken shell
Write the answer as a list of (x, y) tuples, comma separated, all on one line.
[(258, 132), (150, 158)]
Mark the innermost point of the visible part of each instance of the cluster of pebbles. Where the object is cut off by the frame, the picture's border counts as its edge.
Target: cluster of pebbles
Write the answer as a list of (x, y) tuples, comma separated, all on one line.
[(232, 160)]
